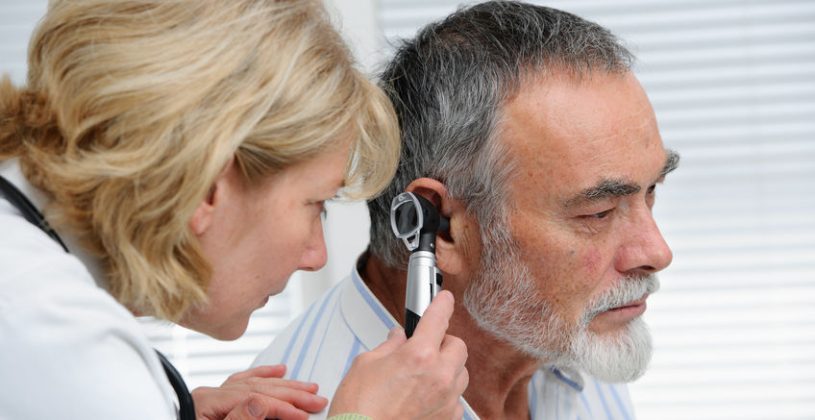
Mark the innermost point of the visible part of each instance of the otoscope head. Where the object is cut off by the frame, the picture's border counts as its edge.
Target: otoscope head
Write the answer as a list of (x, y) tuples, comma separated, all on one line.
[(433, 222), (415, 220)]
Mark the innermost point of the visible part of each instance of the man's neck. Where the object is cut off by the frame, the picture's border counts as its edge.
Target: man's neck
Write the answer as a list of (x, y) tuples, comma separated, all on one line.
[(499, 374)]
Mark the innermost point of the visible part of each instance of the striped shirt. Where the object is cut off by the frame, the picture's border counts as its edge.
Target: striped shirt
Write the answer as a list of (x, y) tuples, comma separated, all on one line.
[(321, 344)]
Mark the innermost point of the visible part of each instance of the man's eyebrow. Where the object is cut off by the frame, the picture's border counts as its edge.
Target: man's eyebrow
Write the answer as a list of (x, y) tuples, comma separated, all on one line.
[(614, 188), (607, 188), (671, 162)]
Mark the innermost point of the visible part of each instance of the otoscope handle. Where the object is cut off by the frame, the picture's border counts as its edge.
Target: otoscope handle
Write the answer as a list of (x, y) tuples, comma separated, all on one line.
[(424, 281)]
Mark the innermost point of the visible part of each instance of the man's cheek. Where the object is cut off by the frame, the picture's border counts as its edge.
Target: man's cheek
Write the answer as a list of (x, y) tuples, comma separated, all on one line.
[(591, 262)]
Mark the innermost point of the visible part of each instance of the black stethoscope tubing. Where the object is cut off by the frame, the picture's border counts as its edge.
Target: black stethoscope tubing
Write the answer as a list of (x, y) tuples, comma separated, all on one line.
[(19, 200), (186, 410)]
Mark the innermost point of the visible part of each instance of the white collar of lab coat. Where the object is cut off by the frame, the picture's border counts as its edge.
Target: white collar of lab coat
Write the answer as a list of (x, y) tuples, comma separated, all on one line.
[(10, 169)]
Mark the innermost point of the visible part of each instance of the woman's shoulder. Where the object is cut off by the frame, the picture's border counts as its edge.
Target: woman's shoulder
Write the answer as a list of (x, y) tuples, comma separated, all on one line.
[(32, 265), (65, 337)]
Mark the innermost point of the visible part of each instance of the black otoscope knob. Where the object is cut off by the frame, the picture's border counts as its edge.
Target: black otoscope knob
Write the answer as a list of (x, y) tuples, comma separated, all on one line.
[(433, 223)]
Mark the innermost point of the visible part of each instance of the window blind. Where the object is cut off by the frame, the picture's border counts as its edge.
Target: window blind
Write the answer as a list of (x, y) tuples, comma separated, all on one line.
[(733, 86)]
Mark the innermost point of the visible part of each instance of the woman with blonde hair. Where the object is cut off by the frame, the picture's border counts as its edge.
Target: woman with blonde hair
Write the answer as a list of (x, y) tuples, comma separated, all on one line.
[(181, 152)]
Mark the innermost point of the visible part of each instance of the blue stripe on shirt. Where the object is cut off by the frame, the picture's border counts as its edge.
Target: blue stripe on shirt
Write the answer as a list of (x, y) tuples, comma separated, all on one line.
[(307, 343), (586, 404), (619, 402), (569, 407), (296, 334), (603, 400), (325, 334)]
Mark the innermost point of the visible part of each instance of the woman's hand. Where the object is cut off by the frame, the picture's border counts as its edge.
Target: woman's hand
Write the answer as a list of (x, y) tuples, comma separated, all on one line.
[(418, 378), (257, 394)]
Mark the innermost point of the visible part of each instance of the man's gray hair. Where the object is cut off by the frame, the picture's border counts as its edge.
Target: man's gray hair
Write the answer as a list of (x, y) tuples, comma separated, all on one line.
[(448, 85)]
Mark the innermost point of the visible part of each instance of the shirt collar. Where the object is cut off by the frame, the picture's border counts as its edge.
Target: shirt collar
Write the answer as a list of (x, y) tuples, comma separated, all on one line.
[(363, 312), (570, 377)]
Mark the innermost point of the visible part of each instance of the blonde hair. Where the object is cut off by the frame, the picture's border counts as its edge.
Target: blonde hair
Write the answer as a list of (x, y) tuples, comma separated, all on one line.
[(134, 107)]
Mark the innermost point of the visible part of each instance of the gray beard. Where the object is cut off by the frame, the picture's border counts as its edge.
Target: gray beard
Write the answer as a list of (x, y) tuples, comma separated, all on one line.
[(504, 301)]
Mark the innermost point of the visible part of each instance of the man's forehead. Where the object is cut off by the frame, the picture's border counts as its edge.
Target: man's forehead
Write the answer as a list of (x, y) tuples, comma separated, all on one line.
[(564, 114), (568, 131)]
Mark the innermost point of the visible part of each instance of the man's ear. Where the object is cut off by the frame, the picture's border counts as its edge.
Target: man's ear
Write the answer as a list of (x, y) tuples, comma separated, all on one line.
[(452, 247), (204, 215)]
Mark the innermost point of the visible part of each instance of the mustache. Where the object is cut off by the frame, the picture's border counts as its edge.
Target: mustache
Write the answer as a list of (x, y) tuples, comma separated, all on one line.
[(624, 292)]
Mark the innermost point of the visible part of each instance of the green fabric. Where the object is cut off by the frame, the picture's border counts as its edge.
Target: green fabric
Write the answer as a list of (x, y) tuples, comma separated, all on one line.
[(349, 416)]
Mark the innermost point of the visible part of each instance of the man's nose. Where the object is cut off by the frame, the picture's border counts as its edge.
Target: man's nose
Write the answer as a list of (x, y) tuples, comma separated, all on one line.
[(644, 249)]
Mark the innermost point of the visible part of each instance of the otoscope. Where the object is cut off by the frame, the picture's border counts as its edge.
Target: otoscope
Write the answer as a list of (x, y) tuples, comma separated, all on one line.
[(415, 221)]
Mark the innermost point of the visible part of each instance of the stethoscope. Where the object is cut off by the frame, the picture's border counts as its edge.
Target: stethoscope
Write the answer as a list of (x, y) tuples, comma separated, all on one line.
[(186, 410)]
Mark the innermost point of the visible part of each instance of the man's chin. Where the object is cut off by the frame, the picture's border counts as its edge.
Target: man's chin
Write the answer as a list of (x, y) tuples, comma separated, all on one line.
[(614, 357)]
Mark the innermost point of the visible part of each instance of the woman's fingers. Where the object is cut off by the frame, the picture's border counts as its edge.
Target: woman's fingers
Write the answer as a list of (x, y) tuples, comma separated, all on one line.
[(396, 337), (260, 408), (264, 384), (298, 398), (454, 352), (263, 378), (436, 318), (258, 390), (266, 371)]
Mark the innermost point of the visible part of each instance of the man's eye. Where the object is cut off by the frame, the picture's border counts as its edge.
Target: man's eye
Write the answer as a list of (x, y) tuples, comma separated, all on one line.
[(651, 196), (598, 216), (602, 214)]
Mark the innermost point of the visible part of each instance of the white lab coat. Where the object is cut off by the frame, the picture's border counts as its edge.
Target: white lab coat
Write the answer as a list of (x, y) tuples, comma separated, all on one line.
[(67, 348)]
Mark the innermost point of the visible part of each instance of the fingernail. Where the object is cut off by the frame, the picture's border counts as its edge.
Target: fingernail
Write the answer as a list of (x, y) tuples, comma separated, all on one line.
[(254, 408)]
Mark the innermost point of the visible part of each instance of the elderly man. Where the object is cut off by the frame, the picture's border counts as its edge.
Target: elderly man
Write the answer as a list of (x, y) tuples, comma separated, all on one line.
[(528, 130)]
